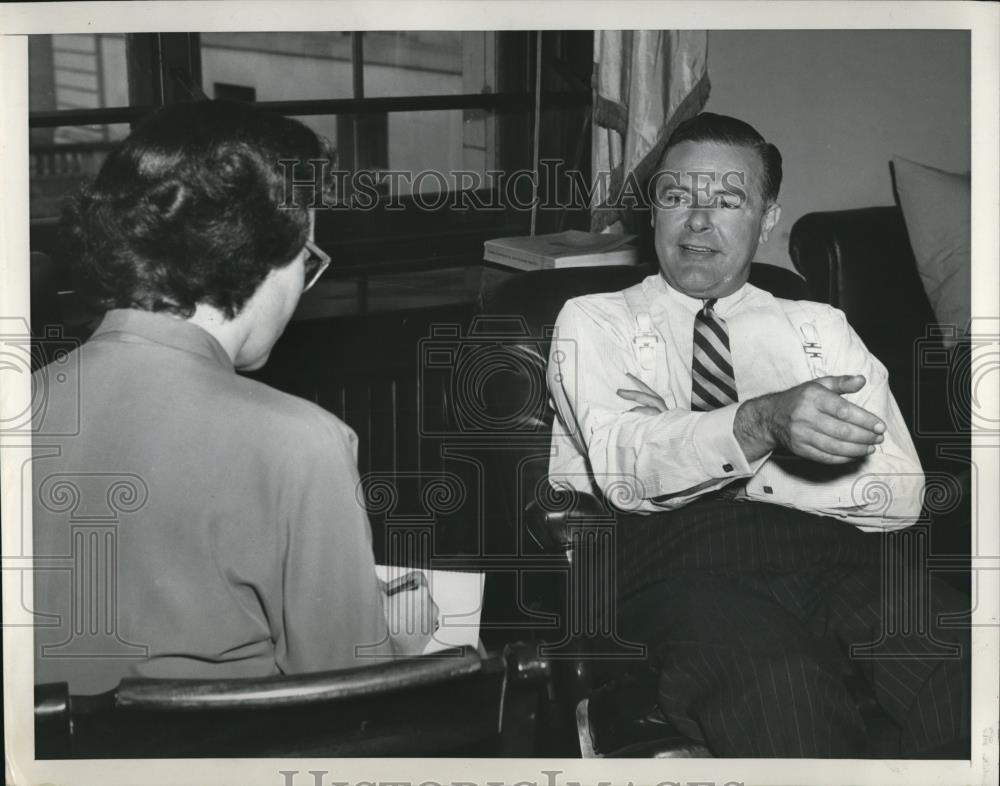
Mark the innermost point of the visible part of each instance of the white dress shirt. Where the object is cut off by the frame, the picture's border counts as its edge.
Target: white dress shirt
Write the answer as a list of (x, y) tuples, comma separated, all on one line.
[(647, 463)]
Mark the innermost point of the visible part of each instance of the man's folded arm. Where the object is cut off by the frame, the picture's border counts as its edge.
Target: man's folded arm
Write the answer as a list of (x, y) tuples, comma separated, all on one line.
[(640, 462)]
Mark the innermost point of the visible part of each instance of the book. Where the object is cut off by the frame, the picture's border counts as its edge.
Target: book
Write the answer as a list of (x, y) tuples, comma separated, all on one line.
[(459, 598), (572, 248)]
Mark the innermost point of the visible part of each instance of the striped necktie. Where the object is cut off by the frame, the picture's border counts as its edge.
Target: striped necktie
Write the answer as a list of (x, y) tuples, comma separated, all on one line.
[(712, 382)]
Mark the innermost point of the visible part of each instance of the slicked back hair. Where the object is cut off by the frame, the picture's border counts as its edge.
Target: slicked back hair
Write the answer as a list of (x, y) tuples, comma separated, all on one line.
[(722, 129)]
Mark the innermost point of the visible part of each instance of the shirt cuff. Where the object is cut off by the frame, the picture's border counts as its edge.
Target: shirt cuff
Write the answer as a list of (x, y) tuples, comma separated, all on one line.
[(720, 454)]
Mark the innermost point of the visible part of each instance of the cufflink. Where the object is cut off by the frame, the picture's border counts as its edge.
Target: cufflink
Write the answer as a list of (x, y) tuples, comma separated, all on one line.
[(727, 467)]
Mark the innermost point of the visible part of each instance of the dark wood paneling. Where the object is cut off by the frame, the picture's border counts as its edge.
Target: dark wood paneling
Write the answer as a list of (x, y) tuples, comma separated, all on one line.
[(366, 370)]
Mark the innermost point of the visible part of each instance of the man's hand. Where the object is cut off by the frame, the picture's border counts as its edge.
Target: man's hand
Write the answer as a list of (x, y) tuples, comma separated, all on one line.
[(811, 420), (648, 401), (411, 613)]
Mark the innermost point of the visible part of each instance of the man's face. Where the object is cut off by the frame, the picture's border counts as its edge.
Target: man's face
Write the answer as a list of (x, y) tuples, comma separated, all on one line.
[(709, 217)]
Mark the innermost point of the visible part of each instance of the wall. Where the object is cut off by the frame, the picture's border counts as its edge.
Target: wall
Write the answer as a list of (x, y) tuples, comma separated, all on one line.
[(840, 104)]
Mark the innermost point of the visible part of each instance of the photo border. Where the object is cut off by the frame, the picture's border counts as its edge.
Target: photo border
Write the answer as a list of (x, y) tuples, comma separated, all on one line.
[(17, 20)]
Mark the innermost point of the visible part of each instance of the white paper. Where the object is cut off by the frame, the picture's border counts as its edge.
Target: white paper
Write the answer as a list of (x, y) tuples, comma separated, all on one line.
[(459, 598)]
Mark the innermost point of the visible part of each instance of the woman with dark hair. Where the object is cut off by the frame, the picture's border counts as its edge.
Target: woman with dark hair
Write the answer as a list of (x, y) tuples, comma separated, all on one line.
[(231, 540)]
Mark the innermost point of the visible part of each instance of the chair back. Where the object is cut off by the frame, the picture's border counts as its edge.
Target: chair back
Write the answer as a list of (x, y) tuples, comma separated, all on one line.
[(455, 703)]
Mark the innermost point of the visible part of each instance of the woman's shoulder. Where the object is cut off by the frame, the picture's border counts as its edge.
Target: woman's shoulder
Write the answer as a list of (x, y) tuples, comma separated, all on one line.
[(281, 418)]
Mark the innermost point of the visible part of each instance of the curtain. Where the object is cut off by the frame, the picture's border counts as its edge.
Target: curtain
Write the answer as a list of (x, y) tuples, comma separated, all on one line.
[(646, 82)]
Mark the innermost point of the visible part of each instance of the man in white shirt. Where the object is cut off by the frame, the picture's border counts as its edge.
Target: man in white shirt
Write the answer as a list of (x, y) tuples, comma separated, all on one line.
[(691, 398)]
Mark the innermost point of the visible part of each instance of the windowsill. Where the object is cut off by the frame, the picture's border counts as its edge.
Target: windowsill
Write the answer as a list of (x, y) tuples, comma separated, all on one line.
[(380, 294), (398, 291)]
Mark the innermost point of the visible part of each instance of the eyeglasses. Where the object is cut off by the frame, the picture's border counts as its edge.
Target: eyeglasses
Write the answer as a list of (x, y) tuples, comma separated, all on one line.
[(315, 263)]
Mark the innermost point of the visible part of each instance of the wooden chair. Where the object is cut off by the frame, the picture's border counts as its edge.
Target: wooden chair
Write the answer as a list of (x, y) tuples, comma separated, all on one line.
[(459, 702)]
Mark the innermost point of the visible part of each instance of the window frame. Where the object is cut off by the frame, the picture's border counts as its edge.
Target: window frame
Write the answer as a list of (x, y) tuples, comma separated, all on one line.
[(165, 68)]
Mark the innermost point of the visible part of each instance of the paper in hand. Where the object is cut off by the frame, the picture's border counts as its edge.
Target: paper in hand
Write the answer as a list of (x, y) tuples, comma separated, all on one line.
[(459, 597)]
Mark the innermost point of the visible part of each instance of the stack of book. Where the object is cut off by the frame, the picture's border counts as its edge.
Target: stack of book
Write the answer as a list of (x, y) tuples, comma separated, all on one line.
[(571, 248)]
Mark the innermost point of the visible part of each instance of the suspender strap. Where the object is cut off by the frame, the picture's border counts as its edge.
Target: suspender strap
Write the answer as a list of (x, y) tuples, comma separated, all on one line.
[(646, 342), (651, 353), (811, 345)]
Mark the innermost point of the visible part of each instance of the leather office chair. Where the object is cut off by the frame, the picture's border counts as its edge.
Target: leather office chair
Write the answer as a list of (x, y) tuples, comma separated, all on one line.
[(620, 718), (458, 703)]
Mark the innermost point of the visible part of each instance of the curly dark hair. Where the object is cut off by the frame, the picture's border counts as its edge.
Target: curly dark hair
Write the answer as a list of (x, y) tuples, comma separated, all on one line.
[(194, 207), (722, 129)]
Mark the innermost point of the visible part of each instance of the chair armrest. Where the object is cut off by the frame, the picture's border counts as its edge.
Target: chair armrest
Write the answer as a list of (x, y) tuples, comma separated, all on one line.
[(301, 689), (526, 688), (551, 527), (525, 665), (53, 721)]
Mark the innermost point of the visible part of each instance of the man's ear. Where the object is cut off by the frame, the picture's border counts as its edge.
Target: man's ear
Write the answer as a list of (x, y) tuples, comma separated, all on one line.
[(771, 217)]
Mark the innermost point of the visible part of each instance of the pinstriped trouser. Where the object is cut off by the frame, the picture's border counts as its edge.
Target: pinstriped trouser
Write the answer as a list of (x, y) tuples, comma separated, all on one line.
[(751, 611)]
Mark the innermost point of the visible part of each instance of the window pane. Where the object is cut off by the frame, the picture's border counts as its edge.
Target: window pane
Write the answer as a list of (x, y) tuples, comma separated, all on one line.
[(277, 66), (423, 152), (421, 62), (76, 71), (292, 66), (440, 150), (62, 159)]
